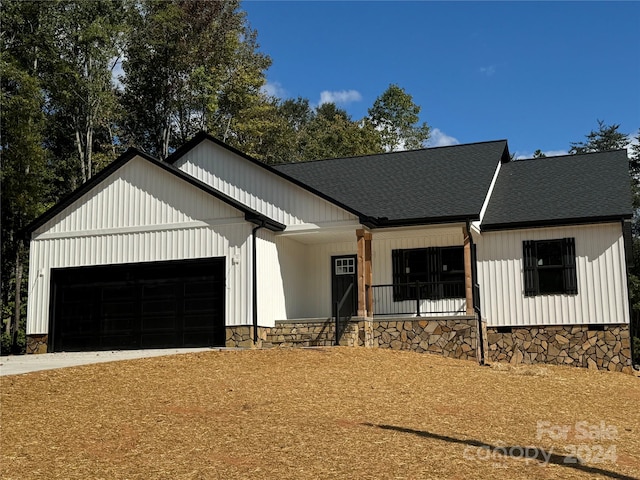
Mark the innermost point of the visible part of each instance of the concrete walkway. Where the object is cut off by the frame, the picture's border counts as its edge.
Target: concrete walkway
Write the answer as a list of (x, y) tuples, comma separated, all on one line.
[(18, 364)]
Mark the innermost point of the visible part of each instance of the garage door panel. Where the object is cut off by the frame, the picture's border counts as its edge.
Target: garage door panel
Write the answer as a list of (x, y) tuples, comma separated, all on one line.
[(118, 342), (118, 292), (118, 309), (81, 342), (199, 305), (158, 306), (196, 322), (199, 287), (160, 322), (160, 289), (147, 305), (159, 340), (119, 325), (192, 337)]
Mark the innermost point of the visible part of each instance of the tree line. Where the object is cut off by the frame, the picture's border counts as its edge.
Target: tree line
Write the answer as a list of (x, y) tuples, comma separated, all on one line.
[(83, 81)]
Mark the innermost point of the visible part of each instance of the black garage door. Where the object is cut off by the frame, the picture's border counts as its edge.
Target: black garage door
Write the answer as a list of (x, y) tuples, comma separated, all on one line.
[(141, 305)]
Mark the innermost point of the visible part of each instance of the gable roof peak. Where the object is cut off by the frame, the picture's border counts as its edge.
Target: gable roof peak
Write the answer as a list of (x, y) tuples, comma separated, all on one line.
[(131, 153)]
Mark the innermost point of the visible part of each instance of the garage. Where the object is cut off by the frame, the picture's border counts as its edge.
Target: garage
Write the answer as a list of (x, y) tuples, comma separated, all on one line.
[(138, 305)]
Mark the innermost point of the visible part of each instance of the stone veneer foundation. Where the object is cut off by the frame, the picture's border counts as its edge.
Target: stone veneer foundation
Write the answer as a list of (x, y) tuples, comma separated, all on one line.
[(454, 337), (242, 336), (604, 347), (448, 336), (37, 343)]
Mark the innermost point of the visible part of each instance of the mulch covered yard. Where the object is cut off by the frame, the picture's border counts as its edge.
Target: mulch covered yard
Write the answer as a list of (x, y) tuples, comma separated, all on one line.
[(318, 413)]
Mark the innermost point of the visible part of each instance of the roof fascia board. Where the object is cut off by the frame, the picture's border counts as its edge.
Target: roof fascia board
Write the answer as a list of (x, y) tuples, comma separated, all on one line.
[(554, 223), (413, 222), (421, 228)]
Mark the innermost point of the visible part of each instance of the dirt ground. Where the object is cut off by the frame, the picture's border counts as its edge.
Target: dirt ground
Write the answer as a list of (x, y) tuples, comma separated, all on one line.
[(318, 413)]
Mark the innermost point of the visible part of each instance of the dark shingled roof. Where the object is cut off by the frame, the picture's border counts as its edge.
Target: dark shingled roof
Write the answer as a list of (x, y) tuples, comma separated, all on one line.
[(442, 184), (560, 190)]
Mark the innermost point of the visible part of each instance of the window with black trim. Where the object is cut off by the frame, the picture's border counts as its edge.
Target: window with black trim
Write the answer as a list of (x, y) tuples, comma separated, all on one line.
[(550, 267), (433, 273)]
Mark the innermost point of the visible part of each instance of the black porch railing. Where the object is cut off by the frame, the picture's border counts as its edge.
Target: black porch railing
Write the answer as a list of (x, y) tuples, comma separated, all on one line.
[(342, 312), (419, 298)]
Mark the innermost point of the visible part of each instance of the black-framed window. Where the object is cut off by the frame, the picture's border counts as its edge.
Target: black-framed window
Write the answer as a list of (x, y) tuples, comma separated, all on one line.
[(432, 273), (550, 267)]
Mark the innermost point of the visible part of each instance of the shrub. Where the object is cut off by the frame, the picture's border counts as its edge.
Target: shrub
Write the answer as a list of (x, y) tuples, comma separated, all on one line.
[(6, 347)]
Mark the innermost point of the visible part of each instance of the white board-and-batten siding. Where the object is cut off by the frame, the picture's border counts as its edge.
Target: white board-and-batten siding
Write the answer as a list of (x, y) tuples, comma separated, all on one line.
[(601, 273), (258, 188), (141, 213), (271, 286)]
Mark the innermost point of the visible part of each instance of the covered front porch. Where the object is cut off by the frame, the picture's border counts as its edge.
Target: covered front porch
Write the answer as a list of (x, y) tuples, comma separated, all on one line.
[(399, 272), (400, 288)]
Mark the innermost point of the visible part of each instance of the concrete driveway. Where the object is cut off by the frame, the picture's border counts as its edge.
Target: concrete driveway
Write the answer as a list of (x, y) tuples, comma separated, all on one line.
[(18, 364)]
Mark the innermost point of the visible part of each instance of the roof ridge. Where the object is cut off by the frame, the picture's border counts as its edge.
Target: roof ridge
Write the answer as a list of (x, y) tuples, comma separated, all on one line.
[(570, 155), (389, 153)]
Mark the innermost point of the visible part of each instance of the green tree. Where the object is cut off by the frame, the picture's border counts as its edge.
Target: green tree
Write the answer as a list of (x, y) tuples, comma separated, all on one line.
[(634, 272), (290, 130), (81, 90), (191, 65), (24, 181), (539, 154), (606, 138), (397, 118), (25, 26), (262, 132), (71, 47), (331, 134), (634, 158)]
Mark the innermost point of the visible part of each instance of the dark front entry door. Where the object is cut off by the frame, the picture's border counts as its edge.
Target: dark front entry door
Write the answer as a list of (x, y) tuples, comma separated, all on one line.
[(344, 273)]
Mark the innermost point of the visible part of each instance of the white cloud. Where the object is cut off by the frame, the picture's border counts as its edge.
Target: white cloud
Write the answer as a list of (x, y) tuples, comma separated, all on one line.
[(440, 139), (274, 89), (341, 97), (488, 71), (548, 153)]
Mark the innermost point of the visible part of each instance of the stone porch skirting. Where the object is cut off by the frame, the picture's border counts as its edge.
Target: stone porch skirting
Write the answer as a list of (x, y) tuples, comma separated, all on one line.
[(602, 347)]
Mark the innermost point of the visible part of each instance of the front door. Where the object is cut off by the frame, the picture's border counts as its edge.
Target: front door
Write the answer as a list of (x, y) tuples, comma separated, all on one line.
[(344, 273)]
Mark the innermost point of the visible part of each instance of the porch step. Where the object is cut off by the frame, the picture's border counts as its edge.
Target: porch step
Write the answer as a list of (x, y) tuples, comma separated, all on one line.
[(308, 332)]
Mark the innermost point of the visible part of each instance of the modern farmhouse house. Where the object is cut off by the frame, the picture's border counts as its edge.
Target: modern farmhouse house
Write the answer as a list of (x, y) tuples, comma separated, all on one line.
[(452, 250)]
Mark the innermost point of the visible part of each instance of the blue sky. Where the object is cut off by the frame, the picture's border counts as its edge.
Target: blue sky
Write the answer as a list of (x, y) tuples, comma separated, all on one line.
[(538, 74)]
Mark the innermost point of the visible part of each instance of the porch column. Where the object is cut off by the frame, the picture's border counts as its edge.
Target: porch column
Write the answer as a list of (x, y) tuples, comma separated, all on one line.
[(468, 280), (368, 273), (365, 277)]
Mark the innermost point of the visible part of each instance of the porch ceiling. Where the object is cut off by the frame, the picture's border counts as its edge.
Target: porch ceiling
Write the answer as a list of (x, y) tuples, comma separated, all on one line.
[(313, 234), (316, 234)]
